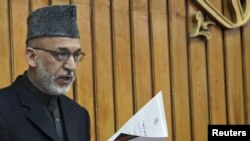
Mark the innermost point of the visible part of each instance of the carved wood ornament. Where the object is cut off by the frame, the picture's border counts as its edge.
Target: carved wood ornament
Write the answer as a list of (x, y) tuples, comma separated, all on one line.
[(240, 13)]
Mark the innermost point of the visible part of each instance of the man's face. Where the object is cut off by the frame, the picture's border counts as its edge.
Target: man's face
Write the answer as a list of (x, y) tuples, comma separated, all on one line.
[(56, 65)]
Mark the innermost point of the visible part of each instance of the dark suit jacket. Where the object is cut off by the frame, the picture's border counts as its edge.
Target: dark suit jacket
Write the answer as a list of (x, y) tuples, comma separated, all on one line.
[(23, 119)]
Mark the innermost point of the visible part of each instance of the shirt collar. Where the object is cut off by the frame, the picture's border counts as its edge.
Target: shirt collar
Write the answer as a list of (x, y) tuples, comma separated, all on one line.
[(41, 97)]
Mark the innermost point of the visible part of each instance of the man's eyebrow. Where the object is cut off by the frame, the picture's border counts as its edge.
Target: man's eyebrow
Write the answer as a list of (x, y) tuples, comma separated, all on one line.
[(66, 49), (62, 49)]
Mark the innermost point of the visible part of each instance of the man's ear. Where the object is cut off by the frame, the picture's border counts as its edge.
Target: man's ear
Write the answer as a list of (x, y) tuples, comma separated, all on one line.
[(30, 56)]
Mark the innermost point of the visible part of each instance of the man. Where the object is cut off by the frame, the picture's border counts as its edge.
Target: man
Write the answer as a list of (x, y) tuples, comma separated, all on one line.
[(34, 107)]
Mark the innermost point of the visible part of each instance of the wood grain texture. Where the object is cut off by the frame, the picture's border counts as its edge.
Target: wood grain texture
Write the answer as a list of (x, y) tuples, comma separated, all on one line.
[(179, 63), (84, 83), (161, 57), (141, 45), (19, 32), (198, 84), (246, 60), (59, 2), (234, 76), (5, 50), (35, 4), (103, 70), (122, 61), (216, 73)]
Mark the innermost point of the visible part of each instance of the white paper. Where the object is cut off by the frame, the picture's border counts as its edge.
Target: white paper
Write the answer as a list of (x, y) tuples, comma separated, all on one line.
[(148, 124)]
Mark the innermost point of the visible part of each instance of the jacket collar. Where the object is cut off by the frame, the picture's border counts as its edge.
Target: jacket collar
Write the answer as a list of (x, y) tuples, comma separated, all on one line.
[(36, 114)]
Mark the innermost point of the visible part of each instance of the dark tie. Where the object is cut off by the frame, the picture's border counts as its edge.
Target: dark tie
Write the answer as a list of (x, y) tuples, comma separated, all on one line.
[(54, 109)]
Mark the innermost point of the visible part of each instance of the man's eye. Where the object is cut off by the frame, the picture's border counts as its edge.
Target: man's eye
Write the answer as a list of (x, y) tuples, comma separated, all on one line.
[(62, 56)]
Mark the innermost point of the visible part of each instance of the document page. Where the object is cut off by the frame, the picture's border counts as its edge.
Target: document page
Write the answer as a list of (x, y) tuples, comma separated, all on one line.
[(148, 124)]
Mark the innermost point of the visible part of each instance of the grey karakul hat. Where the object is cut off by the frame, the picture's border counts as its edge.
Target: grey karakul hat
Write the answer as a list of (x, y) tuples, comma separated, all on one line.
[(57, 20)]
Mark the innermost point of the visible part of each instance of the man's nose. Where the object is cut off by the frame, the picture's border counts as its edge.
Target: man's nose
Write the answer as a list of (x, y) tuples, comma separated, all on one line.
[(70, 64)]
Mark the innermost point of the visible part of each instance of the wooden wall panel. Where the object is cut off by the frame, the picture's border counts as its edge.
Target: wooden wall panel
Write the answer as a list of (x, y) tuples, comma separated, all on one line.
[(137, 48), (84, 88), (216, 73), (179, 69), (35, 4), (246, 60), (234, 77), (5, 50), (59, 2), (161, 57), (141, 45), (198, 85), (103, 69), (18, 35), (122, 61)]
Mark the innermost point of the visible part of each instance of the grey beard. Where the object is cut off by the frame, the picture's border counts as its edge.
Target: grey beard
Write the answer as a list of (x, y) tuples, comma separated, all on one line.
[(46, 81)]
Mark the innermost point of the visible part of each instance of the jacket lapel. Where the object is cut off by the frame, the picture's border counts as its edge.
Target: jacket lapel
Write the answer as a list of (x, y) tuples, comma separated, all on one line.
[(69, 123), (36, 114)]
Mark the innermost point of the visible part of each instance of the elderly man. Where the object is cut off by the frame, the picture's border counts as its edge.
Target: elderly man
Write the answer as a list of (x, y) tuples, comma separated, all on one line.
[(34, 107)]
